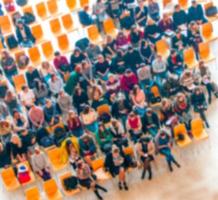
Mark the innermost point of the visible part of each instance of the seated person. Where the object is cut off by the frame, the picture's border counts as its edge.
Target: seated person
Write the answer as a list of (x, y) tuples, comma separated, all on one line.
[(154, 10), (31, 75), (36, 116), (135, 36), (12, 102), (3, 85), (196, 13), (55, 84), (20, 122), (5, 157), (179, 40), (166, 25), (28, 140), (41, 91), (152, 32), (147, 51), (141, 13), (84, 17), (50, 110), (102, 68), (126, 20), (122, 41), (76, 58), (27, 97), (128, 80), (180, 17)]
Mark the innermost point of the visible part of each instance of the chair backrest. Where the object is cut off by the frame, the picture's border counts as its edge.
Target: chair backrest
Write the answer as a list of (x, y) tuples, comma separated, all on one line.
[(162, 46), (37, 32), (128, 151), (8, 176), (28, 9), (41, 10), (197, 126), (54, 155), (5, 24), (83, 3), (105, 108), (155, 91), (19, 81), (97, 164), (67, 22), (50, 188), (34, 54), (52, 6), (166, 2), (189, 55), (204, 50), (63, 42), (71, 4), (55, 26), (183, 3), (32, 194), (180, 129), (93, 32), (48, 49), (109, 26), (208, 5), (207, 30)]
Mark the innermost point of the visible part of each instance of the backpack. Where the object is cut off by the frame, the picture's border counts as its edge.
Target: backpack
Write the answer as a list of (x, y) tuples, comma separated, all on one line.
[(28, 18), (82, 44), (12, 42), (70, 183), (21, 2), (211, 11)]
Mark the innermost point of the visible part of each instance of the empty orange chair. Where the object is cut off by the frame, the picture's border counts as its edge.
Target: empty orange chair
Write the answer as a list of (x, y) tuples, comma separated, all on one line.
[(162, 48), (205, 53), (128, 151), (55, 26), (32, 194), (19, 81), (190, 58), (66, 192), (34, 55), (52, 6), (178, 130), (41, 10), (109, 27), (56, 158), (97, 164), (197, 129), (5, 24), (9, 179), (48, 50), (28, 9), (207, 32), (83, 3), (71, 4), (94, 34), (183, 3), (37, 32), (63, 42), (68, 22), (51, 190)]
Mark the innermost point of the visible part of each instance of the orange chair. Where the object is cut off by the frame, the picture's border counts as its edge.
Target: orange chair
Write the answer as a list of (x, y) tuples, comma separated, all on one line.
[(105, 108), (55, 26), (109, 27), (197, 128), (41, 10), (71, 4), (63, 43), (48, 50), (67, 22), (190, 58), (162, 48), (83, 3), (52, 6), (94, 34), (9, 179), (128, 151), (32, 194), (28, 9), (205, 53), (51, 190), (97, 164), (37, 32), (66, 192), (19, 81), (207, 32), (208, 5), (57, 161), (34, 55), (5, 24), (180, 129), (183, 4)]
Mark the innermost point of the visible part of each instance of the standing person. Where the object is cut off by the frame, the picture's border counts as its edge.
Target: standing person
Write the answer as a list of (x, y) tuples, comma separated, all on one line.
[(86, 178), (40, 164), (146, 150), (164, 145), (115, 163)]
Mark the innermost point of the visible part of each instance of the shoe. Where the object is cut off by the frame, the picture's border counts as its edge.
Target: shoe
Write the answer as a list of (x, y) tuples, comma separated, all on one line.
[(125, 186), (120, 186)]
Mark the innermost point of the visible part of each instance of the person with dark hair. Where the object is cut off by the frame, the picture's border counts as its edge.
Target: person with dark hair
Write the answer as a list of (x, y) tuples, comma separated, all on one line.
[(179, 40), (41, 91), (154, 10), (55, 84), (27, 97), (31, 75), (3, 85), (86, 178), (20, 122), (5, 157), (12, 102), (50, 110), (76, 58), (147, 51), (102, 68), (128, 80), (141, 13), (164, 145)]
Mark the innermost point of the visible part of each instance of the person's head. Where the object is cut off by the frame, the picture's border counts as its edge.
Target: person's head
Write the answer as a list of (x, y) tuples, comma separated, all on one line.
[(25, 89), (180, 98), (1, 147), (197, 90), (178, 32), (165, 16), (9, 94), (177, 8), (53, 77), (97, 94), (37, 150), (132, 114), (201, 64), (72, 114), (48, 103), (115, 150), (20, 23), (76, 52), (165, 103), (4, 55), (45, 65), (136, 89), (15, 139), (86, 109), (194, 3), (30, 69), (80, 163), (61, 93), (78, 68), (109, 39), (69, 146), (78, 90), (86, 8), (101, 126), (128, 72), (159, 57), (111, 78), (141, 3), (173, 53), (149, 111), (57, 54), (150, 22), (100, 58), (86, 138), (130, 49), (163, 134)]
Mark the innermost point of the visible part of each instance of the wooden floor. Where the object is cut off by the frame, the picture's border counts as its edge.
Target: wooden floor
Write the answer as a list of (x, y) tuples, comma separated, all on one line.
[(197, 179)]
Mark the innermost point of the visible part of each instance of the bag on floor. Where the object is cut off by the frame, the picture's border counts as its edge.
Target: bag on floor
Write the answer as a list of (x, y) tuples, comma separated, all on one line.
[(70, 183), (211, 11)]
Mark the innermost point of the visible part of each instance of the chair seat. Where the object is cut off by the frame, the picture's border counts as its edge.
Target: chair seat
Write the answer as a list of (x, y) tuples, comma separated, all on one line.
[(102, 175), (201, 136), (13, 185), (187, 140), (56, 196)]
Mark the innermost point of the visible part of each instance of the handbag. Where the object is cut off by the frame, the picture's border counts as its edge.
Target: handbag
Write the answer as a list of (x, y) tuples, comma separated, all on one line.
[(70, 183), (211, 11)]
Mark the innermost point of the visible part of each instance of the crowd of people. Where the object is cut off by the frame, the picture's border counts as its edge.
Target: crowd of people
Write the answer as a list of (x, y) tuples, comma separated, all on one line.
[(109, 97)]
